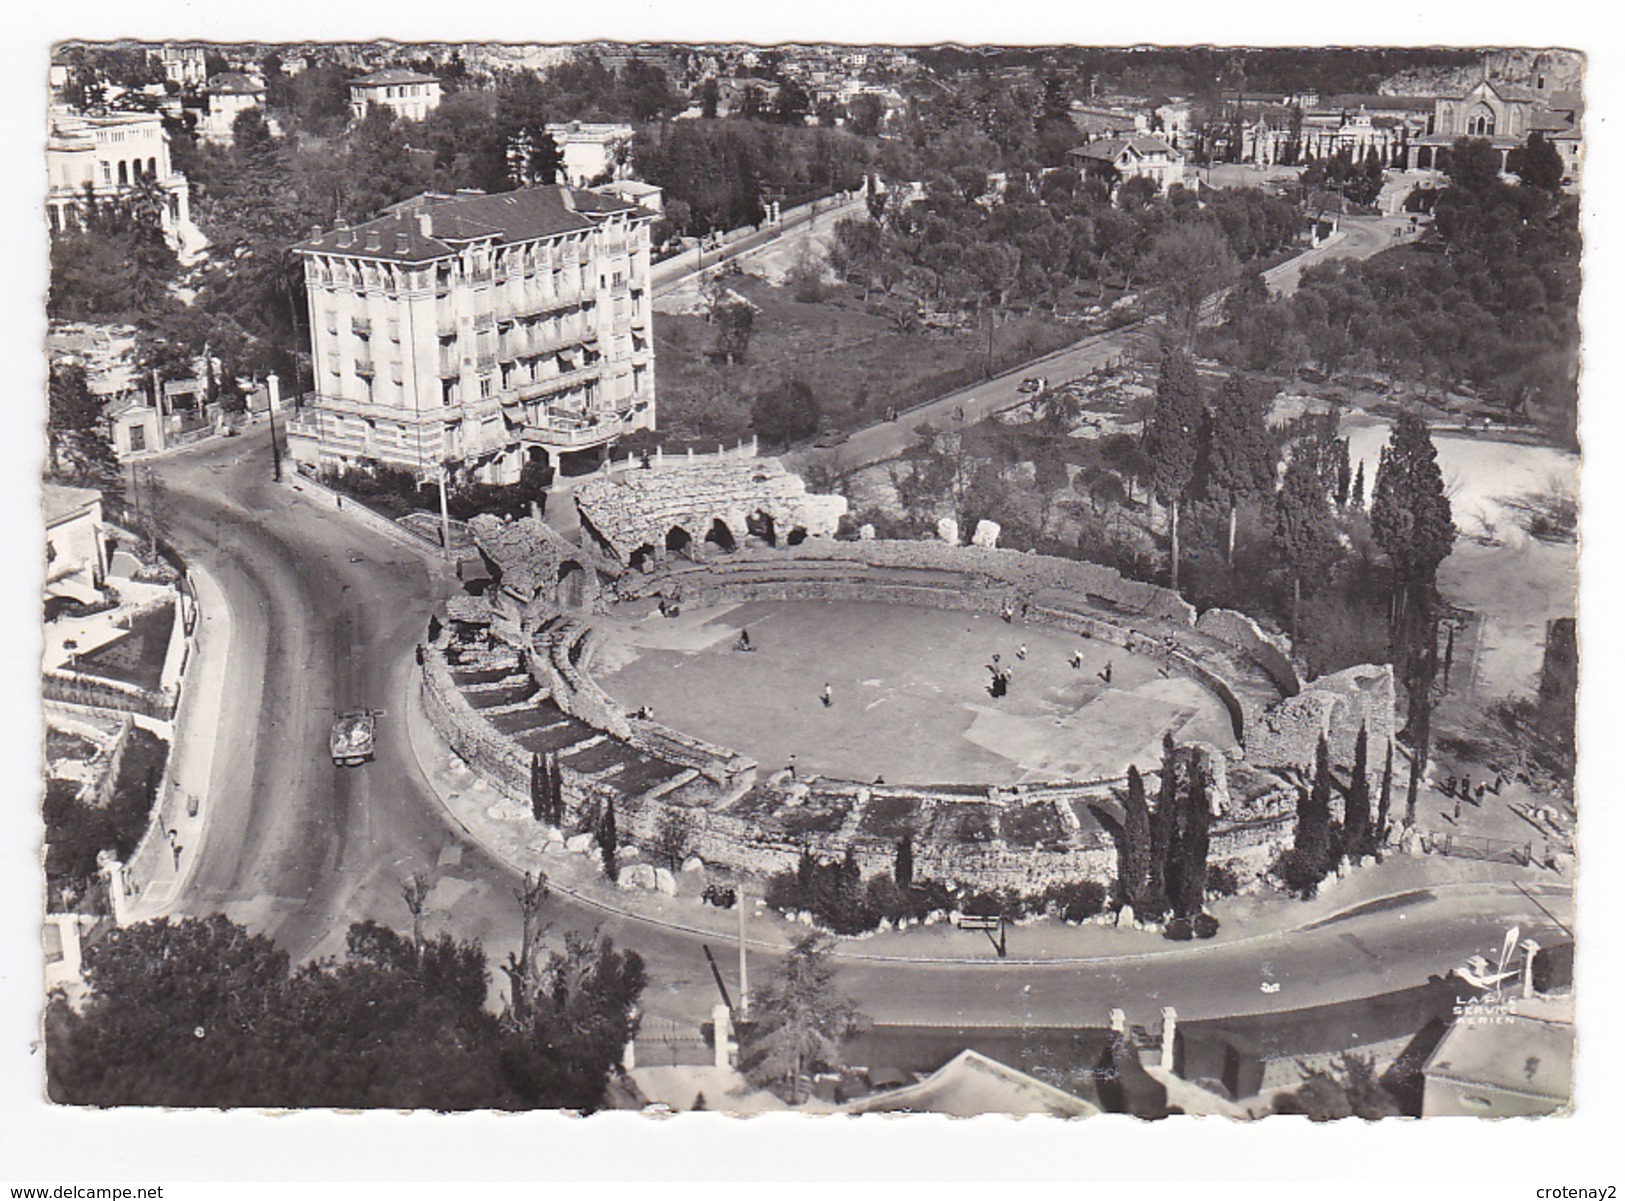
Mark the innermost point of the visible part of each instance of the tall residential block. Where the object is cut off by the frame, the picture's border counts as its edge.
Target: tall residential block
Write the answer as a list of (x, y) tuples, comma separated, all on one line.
[(484, 331)]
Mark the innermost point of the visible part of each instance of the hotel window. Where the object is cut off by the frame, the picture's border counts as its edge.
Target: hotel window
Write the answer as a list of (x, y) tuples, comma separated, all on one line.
[(485, 387), (332, 321), (394, 331)]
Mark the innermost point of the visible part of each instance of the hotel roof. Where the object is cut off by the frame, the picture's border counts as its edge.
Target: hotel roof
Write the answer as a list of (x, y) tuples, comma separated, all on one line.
[(507, 217)]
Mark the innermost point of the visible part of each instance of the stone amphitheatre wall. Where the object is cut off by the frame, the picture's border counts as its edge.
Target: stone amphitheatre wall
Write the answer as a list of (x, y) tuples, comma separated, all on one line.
[(1268, 651), (1024, 838)]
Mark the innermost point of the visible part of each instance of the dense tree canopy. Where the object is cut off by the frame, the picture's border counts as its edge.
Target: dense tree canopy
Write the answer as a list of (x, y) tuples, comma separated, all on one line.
[(203, 1013)]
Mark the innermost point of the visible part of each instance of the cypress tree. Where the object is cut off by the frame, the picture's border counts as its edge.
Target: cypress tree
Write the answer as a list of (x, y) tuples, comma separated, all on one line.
[(1357, 803), (1312, 840), (1134, 853), (1172, 438), (1162, 831), (1357, 493), (1410, 513), (1344, 476), (1304, 536), (540, 809), (903, 868), (555, 789), (1239, 463), (1187, 858), (1381, 833), (609, 840)]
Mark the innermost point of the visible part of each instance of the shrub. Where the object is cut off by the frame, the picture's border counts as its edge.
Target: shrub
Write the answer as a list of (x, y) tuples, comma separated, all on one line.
[(1221, 880), (1075, 900), (1179, 929), (1300, 875), (1204, 925)]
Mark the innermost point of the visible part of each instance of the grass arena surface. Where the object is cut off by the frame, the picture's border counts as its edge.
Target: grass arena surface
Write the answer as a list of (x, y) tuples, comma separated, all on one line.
[(909, 687)]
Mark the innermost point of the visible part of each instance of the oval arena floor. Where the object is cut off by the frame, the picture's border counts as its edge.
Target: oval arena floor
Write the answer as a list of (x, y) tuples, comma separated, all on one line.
[(909, 687)]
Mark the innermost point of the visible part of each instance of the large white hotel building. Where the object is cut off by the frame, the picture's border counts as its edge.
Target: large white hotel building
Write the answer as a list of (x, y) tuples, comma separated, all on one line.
[(478, 330)]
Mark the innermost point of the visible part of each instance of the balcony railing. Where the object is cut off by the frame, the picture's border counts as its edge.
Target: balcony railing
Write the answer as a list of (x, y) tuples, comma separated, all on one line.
[(366, 367), (566, 434), (361, 327), (558, 383)]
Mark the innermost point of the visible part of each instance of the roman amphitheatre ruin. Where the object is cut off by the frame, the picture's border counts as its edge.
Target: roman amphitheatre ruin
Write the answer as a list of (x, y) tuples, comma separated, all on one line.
[(620, 655)]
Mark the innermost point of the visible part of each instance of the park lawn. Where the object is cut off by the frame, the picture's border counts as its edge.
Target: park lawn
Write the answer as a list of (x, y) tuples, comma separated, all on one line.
[(852, 356)]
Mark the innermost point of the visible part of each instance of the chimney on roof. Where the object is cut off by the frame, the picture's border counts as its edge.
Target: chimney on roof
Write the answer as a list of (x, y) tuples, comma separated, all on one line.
[(401, 242), (315, 232), (426, 225), (373, 242), (347, 239)]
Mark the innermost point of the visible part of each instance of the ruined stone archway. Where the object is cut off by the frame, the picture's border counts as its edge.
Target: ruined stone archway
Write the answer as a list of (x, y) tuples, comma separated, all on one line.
[(721, 536), (679, 541), (760, 525), (572, 590), (642, 559), (796, 536)]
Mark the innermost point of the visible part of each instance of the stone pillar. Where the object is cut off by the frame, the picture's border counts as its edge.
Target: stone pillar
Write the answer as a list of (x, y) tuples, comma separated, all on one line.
[(1170, 1023), (117, 897), (1119, 1021), (1531, 948), (273, 392), (721, 1038)]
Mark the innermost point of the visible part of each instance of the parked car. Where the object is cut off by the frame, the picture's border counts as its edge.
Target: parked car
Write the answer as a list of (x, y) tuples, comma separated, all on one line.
[(1033, 384), (830, 438)]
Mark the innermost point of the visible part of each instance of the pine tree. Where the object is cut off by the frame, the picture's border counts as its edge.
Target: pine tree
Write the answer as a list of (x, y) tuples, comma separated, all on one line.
[(903, 869), (1172, 439), (1357, 493), (1357, 803), (1239, 463), (1344, 475), (609, 840)]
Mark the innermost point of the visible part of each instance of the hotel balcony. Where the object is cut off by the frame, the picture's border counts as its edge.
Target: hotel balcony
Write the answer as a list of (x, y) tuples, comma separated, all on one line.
[(366, 367), (361, 327), (563, 433), (558, 383)]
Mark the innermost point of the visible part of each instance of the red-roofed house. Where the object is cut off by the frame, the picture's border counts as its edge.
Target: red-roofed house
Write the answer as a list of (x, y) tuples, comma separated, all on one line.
[(483, 330)]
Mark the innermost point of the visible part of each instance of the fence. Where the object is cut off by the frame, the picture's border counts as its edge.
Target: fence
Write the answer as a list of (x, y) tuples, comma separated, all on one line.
[(1491, 850)]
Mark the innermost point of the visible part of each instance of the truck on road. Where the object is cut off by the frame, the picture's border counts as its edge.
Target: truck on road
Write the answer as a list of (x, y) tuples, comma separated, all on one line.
[(353, 737)]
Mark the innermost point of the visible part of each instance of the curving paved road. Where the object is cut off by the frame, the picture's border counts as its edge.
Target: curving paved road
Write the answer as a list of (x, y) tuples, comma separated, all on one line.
[(325, 615)]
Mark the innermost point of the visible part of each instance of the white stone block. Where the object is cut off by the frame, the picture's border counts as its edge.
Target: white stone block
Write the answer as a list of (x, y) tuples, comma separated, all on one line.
[(948, 531), (986, 535), (580, 844), (665, 882)]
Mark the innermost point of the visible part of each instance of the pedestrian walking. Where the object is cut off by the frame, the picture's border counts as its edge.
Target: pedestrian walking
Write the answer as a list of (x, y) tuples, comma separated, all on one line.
[(1458, 811), (791, 767), (1106, 672), (827, 697), (1076, 660), (1021, 652)]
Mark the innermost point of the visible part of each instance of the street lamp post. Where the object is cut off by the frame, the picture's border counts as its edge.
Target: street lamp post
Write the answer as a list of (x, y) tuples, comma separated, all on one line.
[(276, 451)]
